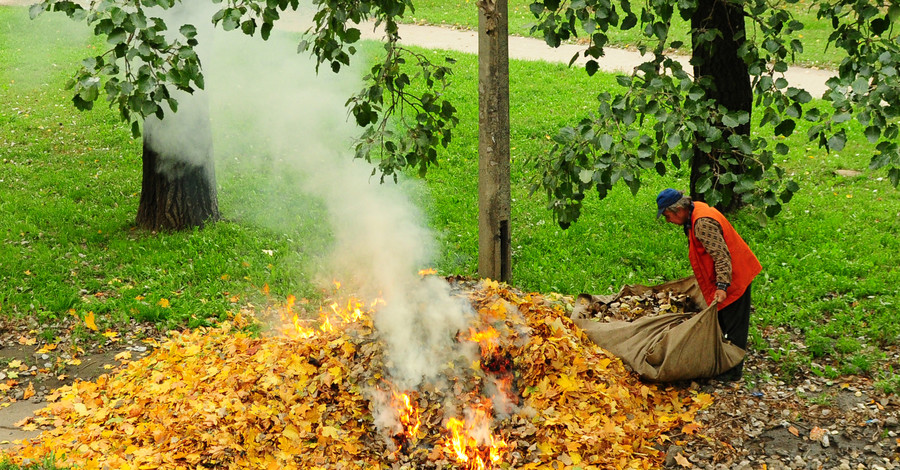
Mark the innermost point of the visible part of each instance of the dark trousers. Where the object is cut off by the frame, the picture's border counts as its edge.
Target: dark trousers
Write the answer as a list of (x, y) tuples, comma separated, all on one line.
[(735, 320)]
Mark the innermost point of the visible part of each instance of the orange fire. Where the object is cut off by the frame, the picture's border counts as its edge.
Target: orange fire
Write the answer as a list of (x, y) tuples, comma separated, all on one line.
[(330, 318), (471, 441), (427, 272), (295, 327), (408, 415), (486, 337)]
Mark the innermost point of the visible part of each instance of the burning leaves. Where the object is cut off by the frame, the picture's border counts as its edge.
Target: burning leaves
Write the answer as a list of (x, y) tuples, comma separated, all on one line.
[(472, 443), (537, 393)]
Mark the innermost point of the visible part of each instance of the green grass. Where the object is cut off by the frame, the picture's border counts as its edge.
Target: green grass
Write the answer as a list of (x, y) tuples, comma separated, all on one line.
[(464, 14), (70, 189), (70, 183), (48, 465)]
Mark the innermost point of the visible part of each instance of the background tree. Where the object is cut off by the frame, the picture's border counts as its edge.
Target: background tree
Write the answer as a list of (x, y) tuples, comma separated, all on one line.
[(178, 188), (667, 118), (722, 73)]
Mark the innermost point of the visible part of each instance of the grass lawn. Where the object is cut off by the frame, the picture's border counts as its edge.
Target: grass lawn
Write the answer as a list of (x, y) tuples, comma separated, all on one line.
[(70, 181)]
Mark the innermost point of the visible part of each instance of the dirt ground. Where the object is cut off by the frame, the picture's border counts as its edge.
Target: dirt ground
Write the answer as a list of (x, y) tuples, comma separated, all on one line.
[(32, 365), (810, 423)]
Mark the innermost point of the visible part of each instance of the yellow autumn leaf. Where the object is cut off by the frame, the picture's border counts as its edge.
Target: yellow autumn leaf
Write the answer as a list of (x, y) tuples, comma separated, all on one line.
[(89, 321), (546, 448), (291, 433), (336, 372), (80, 408), (566, 383), (330, 432), (15, 364)]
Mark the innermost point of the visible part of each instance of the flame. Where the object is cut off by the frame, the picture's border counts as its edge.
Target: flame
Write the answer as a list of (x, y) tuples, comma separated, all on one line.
[(426, 272), (294, 327), (488, 336), (487, 339), (332, 317), (326, 325), (408, 415), (468, 443)]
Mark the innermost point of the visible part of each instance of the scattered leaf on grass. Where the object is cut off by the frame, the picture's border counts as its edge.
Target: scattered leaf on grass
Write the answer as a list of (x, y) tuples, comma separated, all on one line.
[(89, 321)]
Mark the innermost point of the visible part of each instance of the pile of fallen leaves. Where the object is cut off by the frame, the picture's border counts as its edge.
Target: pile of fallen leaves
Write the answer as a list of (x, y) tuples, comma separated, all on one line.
[(647, 304), (222, 398)]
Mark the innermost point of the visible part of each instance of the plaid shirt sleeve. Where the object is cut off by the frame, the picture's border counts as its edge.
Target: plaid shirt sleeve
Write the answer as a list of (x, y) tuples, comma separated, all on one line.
[(709, 234)]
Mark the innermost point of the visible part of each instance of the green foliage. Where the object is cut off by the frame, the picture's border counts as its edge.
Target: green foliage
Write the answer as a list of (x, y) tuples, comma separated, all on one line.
[(427, 118), (47, 464), (867, 87), (142, 64), (789, 362), (665, 114), (818, 345), (847, 345)]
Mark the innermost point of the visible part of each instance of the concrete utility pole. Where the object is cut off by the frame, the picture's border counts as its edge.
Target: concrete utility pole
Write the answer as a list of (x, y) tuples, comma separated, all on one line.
[(494, 198)]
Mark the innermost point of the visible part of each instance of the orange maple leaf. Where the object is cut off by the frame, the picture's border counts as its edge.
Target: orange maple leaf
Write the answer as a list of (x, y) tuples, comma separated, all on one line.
[(89, 321), (690, 428)]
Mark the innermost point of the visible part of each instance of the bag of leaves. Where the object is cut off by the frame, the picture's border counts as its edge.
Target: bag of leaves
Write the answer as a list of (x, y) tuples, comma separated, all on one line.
[(665, 333)]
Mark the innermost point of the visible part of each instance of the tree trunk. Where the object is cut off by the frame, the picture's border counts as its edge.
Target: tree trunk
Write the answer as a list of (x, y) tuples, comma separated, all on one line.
[(494, 203), (179, 186), (731, 88)]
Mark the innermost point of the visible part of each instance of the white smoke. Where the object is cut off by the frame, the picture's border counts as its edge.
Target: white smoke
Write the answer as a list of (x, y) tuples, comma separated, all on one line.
[(274, 117), (182, 139)]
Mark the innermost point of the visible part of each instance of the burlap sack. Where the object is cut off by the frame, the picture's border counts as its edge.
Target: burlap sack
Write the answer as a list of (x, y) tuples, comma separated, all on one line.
[(666, 347)]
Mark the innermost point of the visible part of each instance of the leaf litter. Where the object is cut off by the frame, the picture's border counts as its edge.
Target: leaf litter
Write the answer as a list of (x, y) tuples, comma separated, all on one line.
[(539, 394)]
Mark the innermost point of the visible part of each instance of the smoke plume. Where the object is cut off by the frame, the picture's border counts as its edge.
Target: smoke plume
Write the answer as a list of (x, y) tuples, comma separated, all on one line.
[(277, 123)]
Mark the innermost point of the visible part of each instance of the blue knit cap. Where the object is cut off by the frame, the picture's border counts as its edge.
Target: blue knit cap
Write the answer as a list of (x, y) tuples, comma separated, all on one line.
[(666, 198)]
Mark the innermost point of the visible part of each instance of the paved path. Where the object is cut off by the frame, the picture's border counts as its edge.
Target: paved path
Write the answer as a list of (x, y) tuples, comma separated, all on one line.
[(614, 60)]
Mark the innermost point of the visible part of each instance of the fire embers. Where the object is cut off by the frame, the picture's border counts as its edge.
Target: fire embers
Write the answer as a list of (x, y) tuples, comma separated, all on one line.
[(473, 444), (631, 307), (406, 419), (473, 441)]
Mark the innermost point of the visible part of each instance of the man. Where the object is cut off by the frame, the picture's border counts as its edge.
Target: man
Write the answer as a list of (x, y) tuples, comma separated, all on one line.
[(722, 262)]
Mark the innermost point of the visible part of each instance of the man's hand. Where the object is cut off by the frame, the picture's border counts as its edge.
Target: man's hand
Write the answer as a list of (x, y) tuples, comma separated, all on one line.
[(720, 295)]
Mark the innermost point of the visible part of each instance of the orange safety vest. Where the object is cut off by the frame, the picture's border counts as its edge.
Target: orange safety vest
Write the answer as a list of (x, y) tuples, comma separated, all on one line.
[(744, 265)]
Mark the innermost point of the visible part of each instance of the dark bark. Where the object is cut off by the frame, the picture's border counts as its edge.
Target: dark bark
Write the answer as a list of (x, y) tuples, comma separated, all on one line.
[(730, 84), (177, 193)]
